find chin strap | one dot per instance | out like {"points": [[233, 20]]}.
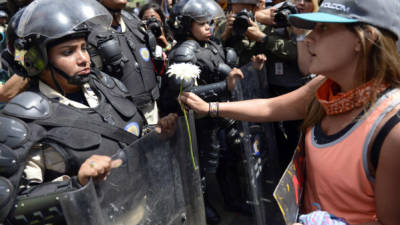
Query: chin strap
{"points": [[77, 80], [55, 81]]}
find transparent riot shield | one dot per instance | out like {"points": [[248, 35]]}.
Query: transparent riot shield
{"points": [[156, 184], [260, 154], [252, 162]]}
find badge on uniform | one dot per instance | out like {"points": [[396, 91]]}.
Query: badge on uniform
{"points": [[133, 128], [20, 55], [145, 54]]}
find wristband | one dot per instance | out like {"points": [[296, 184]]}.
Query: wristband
{"points": [[213, 109]]}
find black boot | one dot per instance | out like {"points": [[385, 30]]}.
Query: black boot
{"points": [[212, 216]]}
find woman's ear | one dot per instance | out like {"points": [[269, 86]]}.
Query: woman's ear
{"points": [[370, 34]]}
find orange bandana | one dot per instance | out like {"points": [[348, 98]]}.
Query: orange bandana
{"points": [[335, 102]]}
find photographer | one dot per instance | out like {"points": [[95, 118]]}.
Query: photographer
{"points": [[152, 15], [239, 30]]}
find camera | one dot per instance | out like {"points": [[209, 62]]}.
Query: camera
{"points": [[283, 12], [154, 26], [241, 22]]}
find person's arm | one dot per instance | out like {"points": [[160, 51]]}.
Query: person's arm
{"points": [[387, 181], [291, 106], [15, 85]]}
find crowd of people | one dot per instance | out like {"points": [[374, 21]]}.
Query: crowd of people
{"points": [[327, 75]]}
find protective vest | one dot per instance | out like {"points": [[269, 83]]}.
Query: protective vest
{"points": [[337, 174], [31, 118], [207, 57], [126, 57]]}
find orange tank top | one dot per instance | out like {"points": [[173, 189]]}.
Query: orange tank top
{"points": [[337, 175]]}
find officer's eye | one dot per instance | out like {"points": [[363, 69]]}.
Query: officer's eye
{"points": [[67, 52], [84, 48]]}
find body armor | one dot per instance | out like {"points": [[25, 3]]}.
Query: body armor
{"points": [[127, 57], [33, 120]]}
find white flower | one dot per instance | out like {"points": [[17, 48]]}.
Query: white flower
{"points": [[184, 71]]}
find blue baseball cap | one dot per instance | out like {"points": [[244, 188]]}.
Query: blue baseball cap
{"points": [[380, 13]]}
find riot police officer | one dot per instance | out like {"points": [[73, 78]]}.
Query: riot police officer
{"points": [[126, 51], [190, 22], [71, 121]]}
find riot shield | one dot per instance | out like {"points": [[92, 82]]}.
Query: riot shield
{"points": [[259, 148], [156, 184]]}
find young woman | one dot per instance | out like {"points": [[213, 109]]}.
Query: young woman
{"points": [[351, 124]]}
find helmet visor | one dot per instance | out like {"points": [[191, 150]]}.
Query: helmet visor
{"points": [[202, 10], [56, 18]]}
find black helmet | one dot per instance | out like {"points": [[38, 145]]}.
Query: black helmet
{"points": [[184, 12], [44, 23]]}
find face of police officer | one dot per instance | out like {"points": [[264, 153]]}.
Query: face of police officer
{"points": [[201, 30], [304, 6], [72, 58], [114, 4]]}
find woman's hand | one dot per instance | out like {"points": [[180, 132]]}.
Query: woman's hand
{"points": [[167, 125], [194, 102], [98, 167], [231, 78]]}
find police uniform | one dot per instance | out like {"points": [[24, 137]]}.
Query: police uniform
{"points": [[53, 135], [124, 54]]}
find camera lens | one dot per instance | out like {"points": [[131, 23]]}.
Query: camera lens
{"points": [[240, 25], [241, 22]]}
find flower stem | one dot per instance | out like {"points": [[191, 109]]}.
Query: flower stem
{"points": [[188, 129]]}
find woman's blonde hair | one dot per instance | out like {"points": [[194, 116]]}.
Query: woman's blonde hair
{"points": [[316, 5], [379, 60]]}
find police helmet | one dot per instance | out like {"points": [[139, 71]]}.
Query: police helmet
{"points": [[44, 23], [184, 12]]}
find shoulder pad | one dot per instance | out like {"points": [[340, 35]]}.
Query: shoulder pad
{"points": [[28, 105], [185, 52], [13, 132], [231, 57], [8, 161]]}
